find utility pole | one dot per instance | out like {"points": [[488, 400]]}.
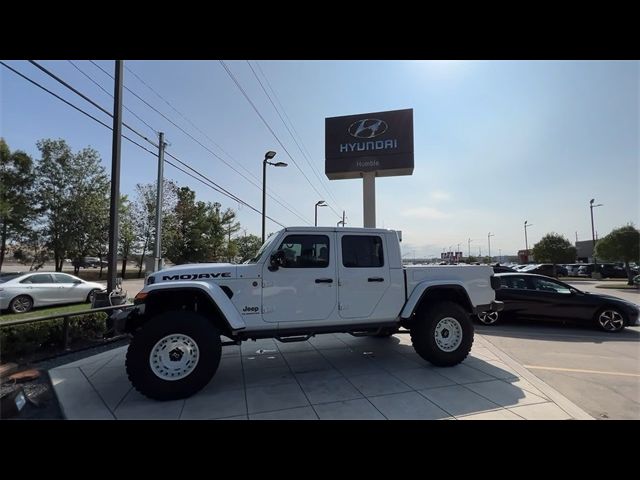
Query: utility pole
{"points": [[343, 219], [489, 235], [114, 217], [157, 262], [470, 247]]}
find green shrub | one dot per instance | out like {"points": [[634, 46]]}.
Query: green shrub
{"points": [[30, 338]]}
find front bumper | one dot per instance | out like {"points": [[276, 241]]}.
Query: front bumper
{"points": [[494, 306]]}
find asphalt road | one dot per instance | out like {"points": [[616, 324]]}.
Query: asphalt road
{"points": [[600, 372]]}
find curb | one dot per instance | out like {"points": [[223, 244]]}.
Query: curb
{"points": [[563, 402]]}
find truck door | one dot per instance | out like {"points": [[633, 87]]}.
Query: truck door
{"points": [[305, 286], [362, 273]]}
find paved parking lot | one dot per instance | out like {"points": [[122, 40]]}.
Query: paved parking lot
{"points": [[329, 377]]}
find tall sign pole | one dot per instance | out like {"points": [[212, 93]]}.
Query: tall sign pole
{"points": [[369, 199], [114, 218], [157, 264]]}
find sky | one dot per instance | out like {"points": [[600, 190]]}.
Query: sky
{"points": [[495, 142]]}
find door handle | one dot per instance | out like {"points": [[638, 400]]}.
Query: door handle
{"points": [[324, 280], [376, 279]]}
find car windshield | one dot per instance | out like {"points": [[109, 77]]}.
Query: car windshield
{"points": [[263, 248], [5, 277]]}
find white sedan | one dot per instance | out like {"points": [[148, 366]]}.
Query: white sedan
{"points": [[20, 292]]}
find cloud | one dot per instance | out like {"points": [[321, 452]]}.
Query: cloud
{"points": [[425, 213], [439, 195]]}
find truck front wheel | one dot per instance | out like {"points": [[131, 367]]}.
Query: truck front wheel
{"points": [[443, 334], [174, 355]]}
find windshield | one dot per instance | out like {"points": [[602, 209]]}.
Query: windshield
{"points": [[5, 277], [265, 246]]}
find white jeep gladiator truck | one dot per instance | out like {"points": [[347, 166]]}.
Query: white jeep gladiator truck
{"points": [[304, 281]]}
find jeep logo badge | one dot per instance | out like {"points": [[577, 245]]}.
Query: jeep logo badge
{"points": [[367, 128]]}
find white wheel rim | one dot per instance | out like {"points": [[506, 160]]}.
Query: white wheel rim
{"points": [[448, 334], [21, 305], [174, 357], [611, 320], [488, 317]]}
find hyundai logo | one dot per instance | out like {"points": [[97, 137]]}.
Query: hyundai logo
{"points": [[368, 128]]}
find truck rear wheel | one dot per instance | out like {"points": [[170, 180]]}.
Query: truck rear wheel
{"points": [[174, 355], [443, 335]]}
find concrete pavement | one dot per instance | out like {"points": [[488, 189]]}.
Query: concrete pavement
{"points": [[333, 376]]}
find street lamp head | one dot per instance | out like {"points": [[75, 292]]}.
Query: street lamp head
{"points": [[280, 164], [269, 155], [592, 200], [525, 222], [321, 203]]}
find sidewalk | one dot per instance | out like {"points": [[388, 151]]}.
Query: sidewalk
{"points": [[333, 376]]}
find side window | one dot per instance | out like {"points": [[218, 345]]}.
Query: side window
{"points": [[517, 283], [362, 251], [38, 278], [543, 285], [305, 251], [62, 278]]}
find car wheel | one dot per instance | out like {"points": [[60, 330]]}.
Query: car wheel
{"points": [[488, 318], [174, 355], [610, 319], [443, 335], [21, 304], [92, 295]]}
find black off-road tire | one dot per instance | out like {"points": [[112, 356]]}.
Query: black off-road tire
{"points": [[423, 334], [138, 362]]}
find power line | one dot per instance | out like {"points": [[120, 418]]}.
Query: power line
{"points": [[155, 131], [271, 195], [290, 209], [246, 96], [212, 185], [307, 158], [74, 90]]}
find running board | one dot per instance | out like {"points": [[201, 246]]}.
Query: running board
{"points": [[296, 338]]}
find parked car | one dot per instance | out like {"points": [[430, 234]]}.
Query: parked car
{"points": [[546, 269], [572, 269], [612, 270], [502, 269], [89, 262], [24, 291], [538, 297]]}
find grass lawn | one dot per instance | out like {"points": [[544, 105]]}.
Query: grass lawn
{"points": [[43, 312]]}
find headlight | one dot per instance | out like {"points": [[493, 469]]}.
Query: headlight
{"points": [[151, 279]]}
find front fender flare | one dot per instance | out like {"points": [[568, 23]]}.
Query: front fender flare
{"points": [[211, 290]]}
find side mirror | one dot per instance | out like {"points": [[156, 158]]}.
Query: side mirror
{"points": [[276, 260], [77, 281]]}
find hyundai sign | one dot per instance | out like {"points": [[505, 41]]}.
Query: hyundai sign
{"points": [[380, 142]]}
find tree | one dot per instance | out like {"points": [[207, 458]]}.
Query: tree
{"points": [[188, 239], [72, 192], [621, 245], [247, 246], [16, 195], [127, 231], [144, 212], [554, 248], [471, 259]]}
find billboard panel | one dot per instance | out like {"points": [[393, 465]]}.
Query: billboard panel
{"points": [[380, 142]]}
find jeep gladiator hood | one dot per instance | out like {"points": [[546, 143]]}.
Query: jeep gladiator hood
{"points": [[197, 271]]}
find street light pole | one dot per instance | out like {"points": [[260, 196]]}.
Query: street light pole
{"points": [[526, 242], [321, 203], [267, 156], [489, 235], [469, 244], [593, 233]]}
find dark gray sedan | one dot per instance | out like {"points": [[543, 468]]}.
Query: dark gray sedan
{"points": [[20, 292], [539, 297]]}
